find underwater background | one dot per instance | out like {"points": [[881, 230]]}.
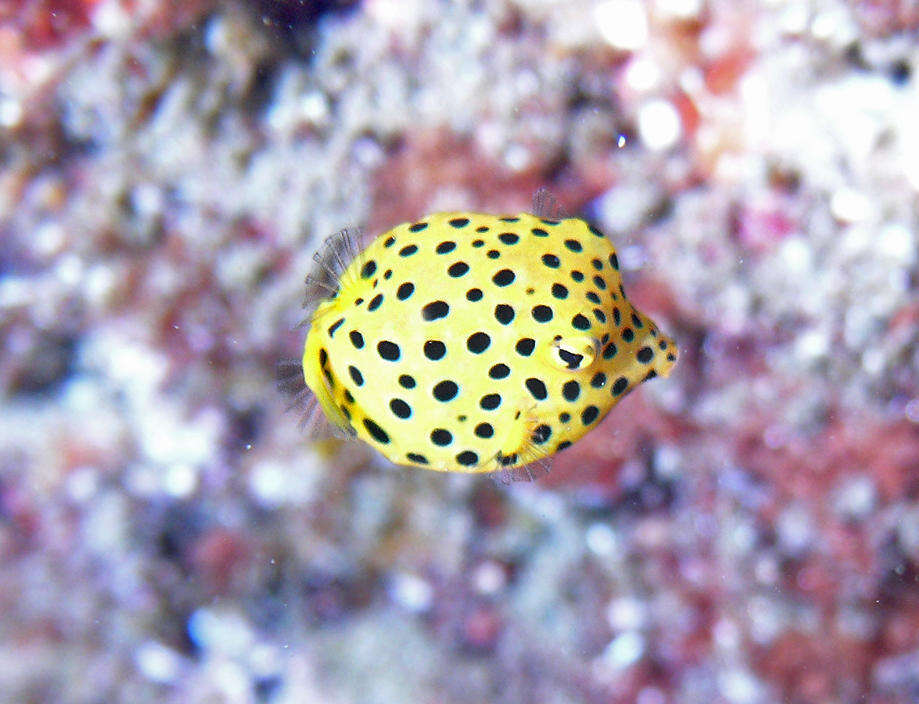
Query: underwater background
{"points": [[744, 532]]}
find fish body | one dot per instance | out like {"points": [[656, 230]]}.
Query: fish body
{"points": [[471, 342]]}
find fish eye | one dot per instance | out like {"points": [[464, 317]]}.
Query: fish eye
{"points": [[573, 353]]}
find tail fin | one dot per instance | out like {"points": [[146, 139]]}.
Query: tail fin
{"points": [[545, 205]]}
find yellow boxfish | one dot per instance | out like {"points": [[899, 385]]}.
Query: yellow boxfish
{"points": [[468, 342]]}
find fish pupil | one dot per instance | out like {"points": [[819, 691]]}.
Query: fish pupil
{"points": [[572, 359]]}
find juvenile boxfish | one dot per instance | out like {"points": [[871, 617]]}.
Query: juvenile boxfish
{"points": [[468, 342]]}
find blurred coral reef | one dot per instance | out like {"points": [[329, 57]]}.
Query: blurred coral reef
{"points": [[744, 532]]}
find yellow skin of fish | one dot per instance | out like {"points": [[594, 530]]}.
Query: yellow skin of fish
{"points": [[563, 265]]}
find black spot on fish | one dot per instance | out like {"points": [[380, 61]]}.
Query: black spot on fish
{"points": [[409, 250], [356, 339], [589, 415], [599, 315], [509, 238], [474, 294], [539, 232], [406, 381], [356, 375], [376, 431], [505, 277], [627, 334], [478, 243], [467, 458], [593, 297], [400, 408], [563, 445], [368, 269], [446, 390], [600, 282], [580, 322], [415, 457], [445, 247], [504, 314], [335, 326], [599, 380], [459, 222], [441, 437], [577, 275], [645, 355], [493, 254], [499, 371], [405, 290], [435, 310], [551, 261], [509, 218], [564, 417], [542, 434], [484, 430], [375, 302], [482, 228], [573, 245], [478, 342], [458, 269], [490, 402], [620, 385], [434, 350], [614, 261], [418, 227], [559, 291], [571, 390], [636, 321], [609, 351], [594, 231], [598, 265], [390, 241], [525, 346], [388, 350], [537, 388], [542, 314]]}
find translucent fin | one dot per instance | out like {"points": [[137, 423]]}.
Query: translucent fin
{"points": [[332, 260], [536, 463], [532, 459], [313, 421], [545, 205]]}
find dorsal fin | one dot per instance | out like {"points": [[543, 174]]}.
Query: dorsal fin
{"points": [[545, 205]]}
